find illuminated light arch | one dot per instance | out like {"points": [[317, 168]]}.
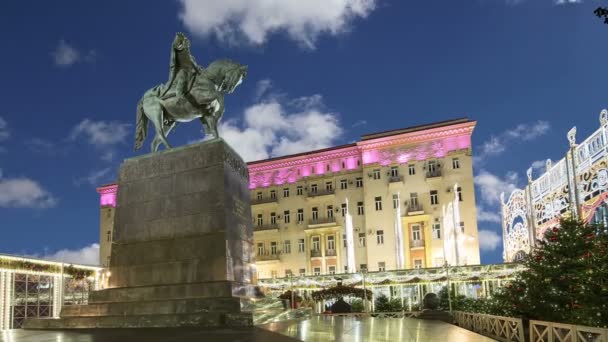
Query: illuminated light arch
{"points": [[516, 230]]}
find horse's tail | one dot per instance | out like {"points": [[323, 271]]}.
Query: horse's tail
{"points": [[141, 131]]}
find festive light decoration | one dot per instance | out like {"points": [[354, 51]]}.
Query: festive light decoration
{"points": [[341, 291]]}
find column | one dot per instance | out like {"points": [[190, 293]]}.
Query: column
{"points": [[323, 246], [57, 295]]}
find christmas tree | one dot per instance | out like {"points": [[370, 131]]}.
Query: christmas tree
{"points": [[565, 281]]}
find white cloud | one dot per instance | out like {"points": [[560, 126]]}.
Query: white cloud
{"points": [[563, 2], [488, 240], [359, 123], [66, 55], [490, 186], [522, 132], [94, 177], [538, 167], [4, 133], [88, 255], [101, 133], [274, 128], [24, 193], [254, 20], [488, 216]]}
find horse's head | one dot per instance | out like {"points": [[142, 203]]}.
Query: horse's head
{"points": [[181, 42], [227, 74]]}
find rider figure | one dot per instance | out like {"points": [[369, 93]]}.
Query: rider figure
{"points": [[183, 68]]}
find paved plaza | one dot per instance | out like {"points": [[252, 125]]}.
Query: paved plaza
{"points": [[318, 328]]}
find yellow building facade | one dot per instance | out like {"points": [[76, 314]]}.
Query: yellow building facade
{"points": [[409, 193]]}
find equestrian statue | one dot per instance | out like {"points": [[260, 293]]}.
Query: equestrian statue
{"points": [[192, 92]]}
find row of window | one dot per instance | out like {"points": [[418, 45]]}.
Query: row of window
{"points": [[331, 269]]}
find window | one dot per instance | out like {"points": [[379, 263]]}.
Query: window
{"points": [[381, 266], [313, 188], [300, 215], [317, 271], [434, 197], [343, 208], [259, 195], [455, 163], [432, 166], [316, 243], [360, 210], [411, 169], [395, 201], [376, 173], [361, 239], [394, 171], [436, 231], [301, 245], [287, 246], [459, 192], [359, 182], [344, 240], [315, 213], [331, 269], [330, 211], [329, 186], [302, 272], [414, 200], [260, 248], [380, 237], [343, 184], [286, 192], [286, 217], [363, 267], [288, 273], [418, 263], [109, 235], [273, 247], [331, 242], [461, 226], [378, 201], [299, 190], [273, 218], [416, 234], [273, 194], [260, 220]]}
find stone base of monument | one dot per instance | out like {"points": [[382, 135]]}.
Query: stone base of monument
{"points": [[182, 245]]}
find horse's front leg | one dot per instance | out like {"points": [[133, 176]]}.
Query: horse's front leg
{"points": [[218, 115]]}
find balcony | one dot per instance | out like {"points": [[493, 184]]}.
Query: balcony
{"points": [[326, 192], [268, 256], [263, 200], [416, 243], [313, 223], [395, 179], [433, 173], [265, 227], [315, 253], [330, 252], [414, 209]]}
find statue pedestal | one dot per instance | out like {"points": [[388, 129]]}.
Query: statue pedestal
{"points": [[181, 254]]}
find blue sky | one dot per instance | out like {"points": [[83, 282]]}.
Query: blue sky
{"points": [[72, 73]]}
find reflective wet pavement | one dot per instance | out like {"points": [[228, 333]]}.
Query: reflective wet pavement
{"points": [[318, 328]]}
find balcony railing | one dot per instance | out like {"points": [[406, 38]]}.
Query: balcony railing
{"points": [[263, 200], [315, 253], [267, 255], [416, 243], [433, 173], [330, 252], [258, 228], [321, 192], [395, 179], [414, 207], [322, 220]]}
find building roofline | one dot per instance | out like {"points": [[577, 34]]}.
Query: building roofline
{"points": [[339, 147], [416, 128]]}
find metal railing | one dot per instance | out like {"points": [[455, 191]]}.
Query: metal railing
{"points": [[265, 227], [416, 243], [413, 207], [330, 252], [506, 329], [268, 255], [433, 173], [315, 253], [263, 200], [321, 220], [395, 179], [321, 192], [541, 331]]}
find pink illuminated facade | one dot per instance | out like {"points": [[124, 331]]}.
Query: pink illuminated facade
{"points": [[406, 175], [107, 204]]}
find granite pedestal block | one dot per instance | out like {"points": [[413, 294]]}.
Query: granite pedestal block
{"points": [[182, 245]]}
